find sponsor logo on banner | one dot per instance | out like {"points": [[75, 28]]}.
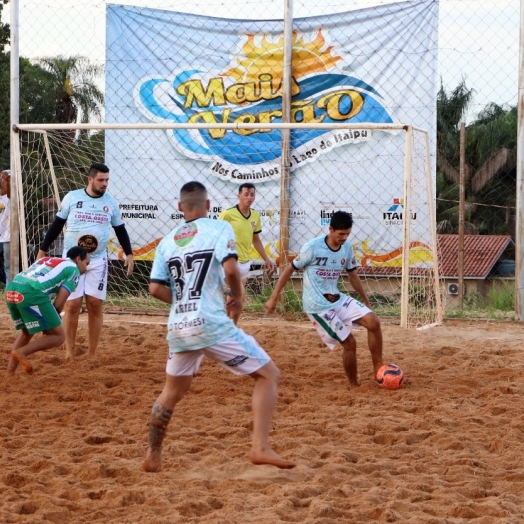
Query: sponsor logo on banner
{"points": [[249, 92], [185, 234], [327, 213], [394, 216]]}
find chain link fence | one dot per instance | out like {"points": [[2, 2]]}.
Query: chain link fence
{"points": [[426, 63]]}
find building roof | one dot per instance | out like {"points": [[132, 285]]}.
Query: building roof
{"points": [[481, 253]]}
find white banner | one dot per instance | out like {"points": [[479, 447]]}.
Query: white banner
{"points": [[370, 65]]}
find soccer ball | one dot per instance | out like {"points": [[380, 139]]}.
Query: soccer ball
{"points": [[390, 376]]}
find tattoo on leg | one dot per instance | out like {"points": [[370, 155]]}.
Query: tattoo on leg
{"points": [[160, 417]]}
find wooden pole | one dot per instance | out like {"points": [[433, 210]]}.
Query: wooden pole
{"points": [[462, 206], [519, 224], [16, 175], [404, 297], [286, 138]]}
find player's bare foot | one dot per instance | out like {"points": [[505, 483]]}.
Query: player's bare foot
{"points": [[28, 368], [80, 351], [153, 462], [91, 355], [11, 366], [268, 456], [354, 383]]}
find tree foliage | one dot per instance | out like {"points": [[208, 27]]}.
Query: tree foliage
{"points": [[490, 158]]}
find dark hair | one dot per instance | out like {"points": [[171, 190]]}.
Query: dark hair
{"points": [[77, 251], [245, 185], [341, 220], [192, 187], [96, 168]]}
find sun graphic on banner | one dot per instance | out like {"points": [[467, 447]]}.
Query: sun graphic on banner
{"points": [[268, 57]]}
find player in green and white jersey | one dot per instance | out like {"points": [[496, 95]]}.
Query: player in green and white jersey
{"points": [[323, 259], [30, 297], [191, 267]]}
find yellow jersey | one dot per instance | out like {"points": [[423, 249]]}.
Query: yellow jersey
{"points": [[244, 228]]}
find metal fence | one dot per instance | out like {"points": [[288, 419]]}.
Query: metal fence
{"points": [[64, 46]]}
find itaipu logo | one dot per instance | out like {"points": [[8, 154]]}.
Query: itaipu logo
{"points": [[395, 214], [250, 91]]}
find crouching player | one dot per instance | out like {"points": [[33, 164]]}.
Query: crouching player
{"points": [[29, 300], [189, 269], [323, 260]]}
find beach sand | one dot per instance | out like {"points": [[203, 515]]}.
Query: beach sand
{"points": [[446, 448]]}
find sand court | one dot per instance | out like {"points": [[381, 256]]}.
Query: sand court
{"points": [[446, 448]]}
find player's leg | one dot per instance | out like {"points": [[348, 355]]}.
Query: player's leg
{"points": [[244, 273], [349, 359], [242, 355], [95, 292], [333, 331], [371, 322], [72, 309], [22, 339], [180, 369], [263, 403], [95, 320], [13, 300], [51, 338]]}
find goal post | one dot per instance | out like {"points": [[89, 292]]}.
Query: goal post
{"points": [[381, 173]]}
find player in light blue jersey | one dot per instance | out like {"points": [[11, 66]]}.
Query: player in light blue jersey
{"points": [[323, 260], [29, 300], [90, 213], [191, 267]]}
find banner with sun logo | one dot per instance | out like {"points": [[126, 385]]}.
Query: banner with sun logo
{"points": [[373, 65]]}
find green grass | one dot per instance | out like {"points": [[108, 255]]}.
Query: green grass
{"points": [[290, 302], [498, 304]]}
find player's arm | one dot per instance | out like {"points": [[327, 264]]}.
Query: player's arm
{"points": [[356, 283], [52, 234], [125, 242], [285, 275], [161, 291], [61, 298], [257, 243], [234, 283]]}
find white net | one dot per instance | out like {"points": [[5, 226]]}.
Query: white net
{"points": [[362, 171]]}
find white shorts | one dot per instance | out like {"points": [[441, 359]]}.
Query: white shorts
{"points": [[244, 268], [239, 353], [94, 281], [334, 325]]}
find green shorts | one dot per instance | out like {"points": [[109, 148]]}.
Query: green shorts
{"points": [[31, 309]]}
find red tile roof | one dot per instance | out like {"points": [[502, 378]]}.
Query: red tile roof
{"points": [[481, 253]]}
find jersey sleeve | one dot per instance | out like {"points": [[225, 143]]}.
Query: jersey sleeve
{"points": [[226, 245], [224, 216], [65, 208], [258, 224], [116, 215], [160, 270], [72, 279], [351, 261], [305, 257]]}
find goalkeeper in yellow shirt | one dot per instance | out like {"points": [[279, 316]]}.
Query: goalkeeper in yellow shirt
{"points": [[247, 227]]}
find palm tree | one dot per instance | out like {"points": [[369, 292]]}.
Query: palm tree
{"points": [[451, 110], [490, 163], [78, 99]]}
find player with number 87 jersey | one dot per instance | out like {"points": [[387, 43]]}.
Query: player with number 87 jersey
{"points": [[190, 259]]}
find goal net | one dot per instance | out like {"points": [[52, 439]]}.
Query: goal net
{"points": [[382, 174]]}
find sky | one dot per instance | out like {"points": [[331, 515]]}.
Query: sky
{"points": [[478, 39]]}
